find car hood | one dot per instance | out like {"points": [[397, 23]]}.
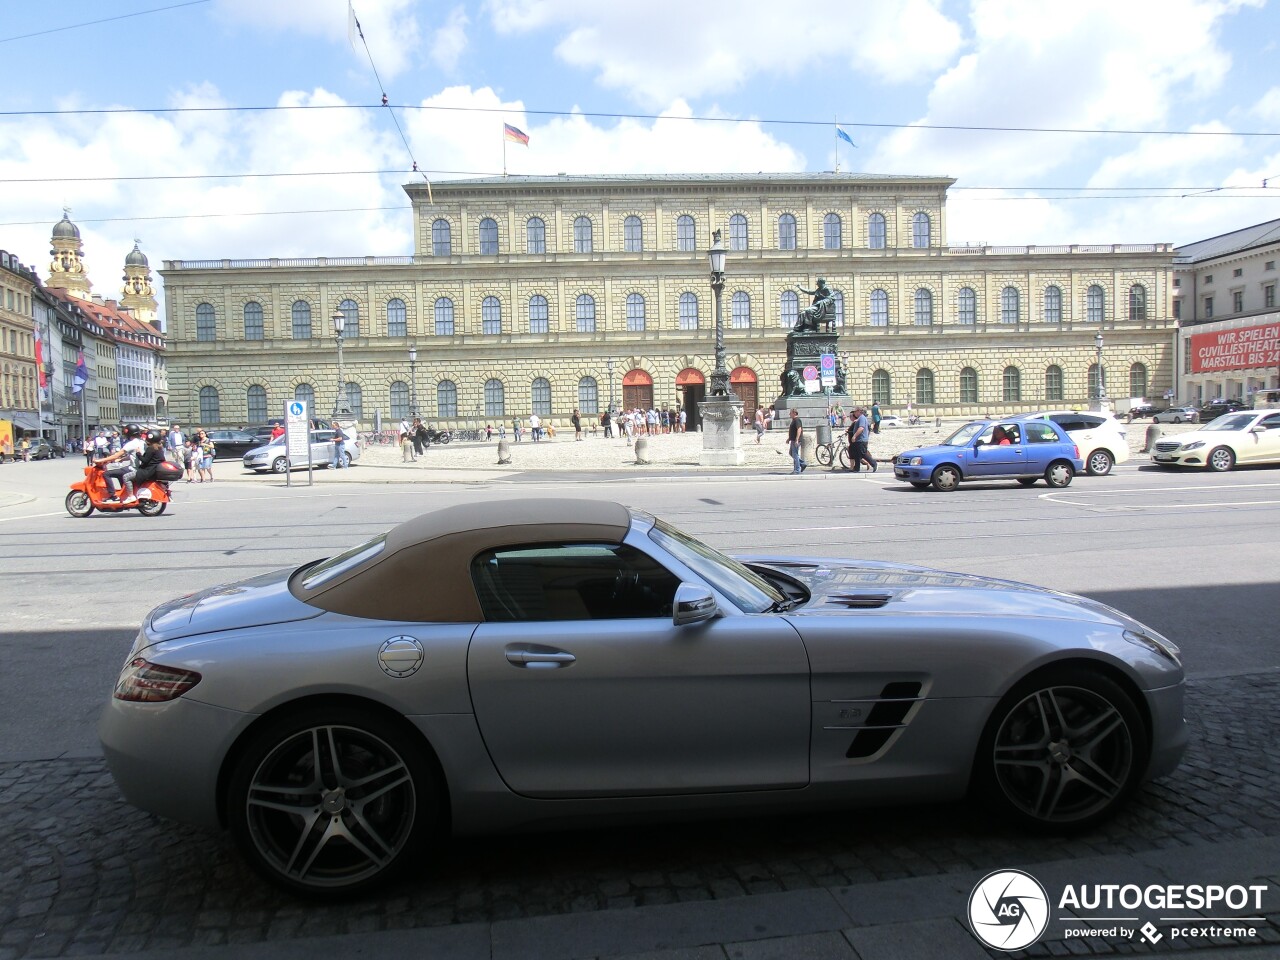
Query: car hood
{"points": [[265, 448], [861, 586], [250, 603]]}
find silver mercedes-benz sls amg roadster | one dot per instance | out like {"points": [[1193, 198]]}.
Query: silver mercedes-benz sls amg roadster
{"points": [[494, 666]]}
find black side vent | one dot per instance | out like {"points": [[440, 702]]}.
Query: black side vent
{"points": [[861, 601], [896, 699]]}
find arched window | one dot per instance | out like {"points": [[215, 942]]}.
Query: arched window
{"points": [[632, 235], [881, 391], [495, 399], [1009, 304], [307, 394], [397, 318], [585, 309], [920, 231], [686, 234], [1052, 304], [924, 307], [831, 231], [968, 307], [838, 297], [441, 238], [737, 232], [488, 237], [635, 312], [582, 235], [206, 326], [588, 396], [740, 310], [688, 311], [540, 391], [879, 308], [444, 317], [301, 320], [537, 313], [1012, 384], [1137, 307], [399, 397], [789, 311], [535, 235], [1138, 380], [924, 386], [1095, 304], [968, 385], [1053, 382], [876, 231], [255, 401], [351, 325], [447, 399], [1095, 387], [787, 232], [355, 399], [210, 408], [253, 328], [490, 316]]}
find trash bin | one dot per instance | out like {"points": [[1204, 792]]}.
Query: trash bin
{"points": [[824, 433]]}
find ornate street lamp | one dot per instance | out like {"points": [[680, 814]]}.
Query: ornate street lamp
{"points": [[721, 411], [719, 376], [340, 402], [1102, 376], [609, 363], [413, 378]]}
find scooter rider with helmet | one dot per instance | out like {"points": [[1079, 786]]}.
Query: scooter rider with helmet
{"points": [[152, 456], [120, 466]]}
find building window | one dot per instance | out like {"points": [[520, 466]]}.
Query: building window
{"points": [[790, 309], [876, 231], [444, 317], [540, 391], [838, 297], [635, 313], [1269, 265], [351, 326], [307, 394], [740, 310], [582, 235], [1009, 305], [1138, 380], [397, 318], [399, 397], [880, 387], [1177, 282], [206, 328], [1177, 309], [355, 399], [632, 235], [686, 234], [787, 232], [488, 237], [1095, 304], [537, 313], [968, 385], [585, 309], [1237, 272], [924, 385], [441, 238], [924, 307], [535, 236], [1053, 383], [495, 400], [920, 230], [737, 232], [588, 396], [831, 232], [968, 304], [1012, 384], [1137, 302], [490, 316], [1237, 301], [447, 398], [253, 329], [210, 409], [1208, 278], [1052, 304], [1208, 308], [1094, 387], [1268, 296], [255, 401], [688, 311], [879, 308], [301, 320]]}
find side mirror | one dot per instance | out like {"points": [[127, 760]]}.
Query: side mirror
{"points": [[693, 604], [1259, 429]]}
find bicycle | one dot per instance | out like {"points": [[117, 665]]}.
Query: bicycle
{"points": [[836, 451]]}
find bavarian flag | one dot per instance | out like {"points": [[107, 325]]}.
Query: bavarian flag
{"points": [[514, 134]]}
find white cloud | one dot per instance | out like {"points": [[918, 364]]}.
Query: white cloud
{"points": [[450, 40], [1267, 108]]}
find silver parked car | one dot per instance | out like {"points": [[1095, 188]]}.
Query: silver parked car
{"points": [[274, 457], [492, 666], [1178, 415]]}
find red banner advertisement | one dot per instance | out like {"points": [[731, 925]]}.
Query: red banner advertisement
{"points": [[1243, 349]]}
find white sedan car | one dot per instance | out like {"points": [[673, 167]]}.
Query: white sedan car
{"points": [[1248, 436]]}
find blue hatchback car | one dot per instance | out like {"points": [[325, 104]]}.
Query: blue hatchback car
{"points": [[1022, 450]]}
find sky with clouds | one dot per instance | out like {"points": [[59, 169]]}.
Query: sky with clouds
{"points": [[1092, 121]]}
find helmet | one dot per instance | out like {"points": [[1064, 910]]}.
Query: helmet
{"points": [[131, 430], [153, 436]]}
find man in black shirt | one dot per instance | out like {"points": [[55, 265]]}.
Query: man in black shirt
{"points": [[794, 432]]}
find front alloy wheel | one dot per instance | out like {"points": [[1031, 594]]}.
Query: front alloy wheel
{"points": [[1220, 460]]}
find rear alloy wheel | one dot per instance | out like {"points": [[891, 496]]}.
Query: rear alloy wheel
{"points": [[1059, 474], [946, 478], [1099, 463], [78, 504], [1220, 459]]}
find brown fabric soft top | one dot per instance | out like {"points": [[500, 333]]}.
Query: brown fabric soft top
{"points": [[424, 571]]}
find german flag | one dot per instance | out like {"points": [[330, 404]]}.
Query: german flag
{"points": [[514, 134]]}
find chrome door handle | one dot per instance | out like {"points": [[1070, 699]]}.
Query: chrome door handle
{"points": [[536, 657]]}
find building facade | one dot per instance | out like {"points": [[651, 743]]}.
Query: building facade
{"points": [[19, 373], [545, 294]]}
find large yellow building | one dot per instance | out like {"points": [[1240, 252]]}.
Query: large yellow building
{"points": [[542, 294]]}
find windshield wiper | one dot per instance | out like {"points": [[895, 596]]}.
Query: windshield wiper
{"points": [[782, 606]]}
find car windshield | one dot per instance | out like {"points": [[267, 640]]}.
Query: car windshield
{"points": [[965, 435], [326, 570], [1229, 422], [748, 590]]}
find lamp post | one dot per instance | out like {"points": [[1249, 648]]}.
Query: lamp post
{"points": [[1102, 376], [340, 401], [413, 378], [719, 376], [721, 411], [609, 364]]}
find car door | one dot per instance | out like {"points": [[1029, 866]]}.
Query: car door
{"points": [[583, 687], [992, 459], [1263, 446], [321, 447]]}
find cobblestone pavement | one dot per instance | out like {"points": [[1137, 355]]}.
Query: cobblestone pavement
{"points": [[83, 873]]}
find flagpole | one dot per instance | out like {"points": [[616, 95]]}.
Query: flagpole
{"points": [[504, 152], [835, 126]]}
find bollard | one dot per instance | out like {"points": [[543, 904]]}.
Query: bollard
{"points": [[1154, 432], [642, 450], [504, 453], [808, 452]]}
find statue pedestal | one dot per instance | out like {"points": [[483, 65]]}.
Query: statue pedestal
{"points": [[806, 350], [721, 433]]}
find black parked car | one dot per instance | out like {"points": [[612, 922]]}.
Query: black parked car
{"points": [[1217, 408], [232, 444]]}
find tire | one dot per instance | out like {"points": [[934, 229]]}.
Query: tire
{"points": [[152, 508], [844, 458], [1059, 474], [1220, 459], [280, 465], [1177, 419], [946, 478], [1028, 481], [78, 504], [1099, 463], [444, 437], [823, 455], [325, 828], [346, 459], [1063, 750]]}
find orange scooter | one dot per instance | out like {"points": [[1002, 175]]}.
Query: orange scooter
{"points": [[91, 493]]}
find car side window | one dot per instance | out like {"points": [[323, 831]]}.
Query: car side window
{"points": [[571, 581], [1271, 423], [1041, 433], [1090, 423]]}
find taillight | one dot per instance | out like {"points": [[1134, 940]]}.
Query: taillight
{"points": [[145, 682], [1076, 448]]}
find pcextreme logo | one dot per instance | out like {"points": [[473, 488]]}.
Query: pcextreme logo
{"points": [[1008, 910]]}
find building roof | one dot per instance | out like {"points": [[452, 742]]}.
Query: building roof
{"points": [[1258, 235], [64, 229], [118, 323], [136, 258], [523, 182]]}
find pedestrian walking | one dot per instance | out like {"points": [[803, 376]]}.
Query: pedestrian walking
{"points": [[759, 424], [859, 442], [795, 432], [875, 416], [576, 420]]}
